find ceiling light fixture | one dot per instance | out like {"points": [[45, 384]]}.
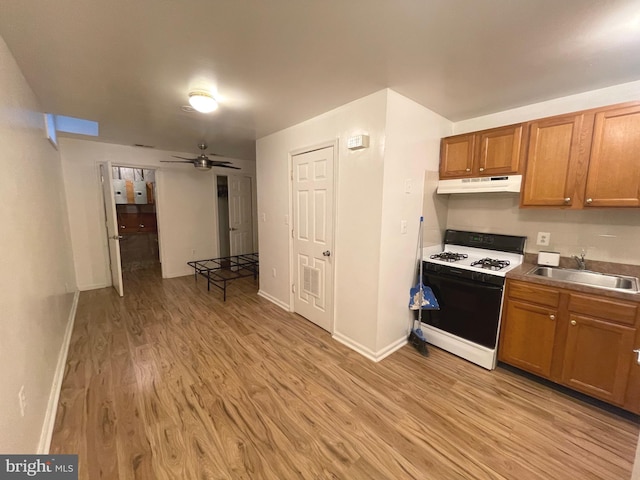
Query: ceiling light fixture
{"points": [[202, 101]]}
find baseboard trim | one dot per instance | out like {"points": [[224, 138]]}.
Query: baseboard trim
{"points": [[272, 299], [94, 286], [180, 273], [394, 347], [54, 396], [366, 352]]}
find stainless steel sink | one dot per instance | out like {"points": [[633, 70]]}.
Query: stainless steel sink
{"points": [[620, 283]]}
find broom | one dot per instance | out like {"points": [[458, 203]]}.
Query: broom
{"points": [[421, 298]]}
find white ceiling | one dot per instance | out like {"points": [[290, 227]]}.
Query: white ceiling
{"points": [[129, 64]]}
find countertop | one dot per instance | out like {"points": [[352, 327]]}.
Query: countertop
{"points": [[520, 273]]}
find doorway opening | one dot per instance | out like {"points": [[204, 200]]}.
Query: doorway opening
{"points": [[223, 215], [235, 215], [134, 196]]}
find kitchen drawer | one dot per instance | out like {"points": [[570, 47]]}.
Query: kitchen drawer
{"points": [[532, 293], [614, 310]]}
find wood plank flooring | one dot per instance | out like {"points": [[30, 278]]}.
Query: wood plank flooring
{"points": [[169, 382]]}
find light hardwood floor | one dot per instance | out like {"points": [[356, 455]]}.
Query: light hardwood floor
{"points": [[171, 383]]}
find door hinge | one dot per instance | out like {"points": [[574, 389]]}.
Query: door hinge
{"points": [[292, 235], [293, 288]]}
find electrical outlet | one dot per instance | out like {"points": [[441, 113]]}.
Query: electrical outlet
{"points": [[403, 227], [544, 238], [23, 400]]}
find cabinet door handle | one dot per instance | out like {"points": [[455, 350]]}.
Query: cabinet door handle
{"points": [[589, 201], [141, 226], [467, 170], [552, 316], [637, 351], [574, 323], [567, 200], [482, 169]]}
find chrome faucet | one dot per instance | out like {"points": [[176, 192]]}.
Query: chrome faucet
{"points": [[580, 260]]}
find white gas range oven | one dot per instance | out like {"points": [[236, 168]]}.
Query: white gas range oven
{"points": [[467, 278]]}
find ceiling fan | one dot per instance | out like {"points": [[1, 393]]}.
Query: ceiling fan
{"points": [[202, 162]]}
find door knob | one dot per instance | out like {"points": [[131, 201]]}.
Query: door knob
{"points": [[116, 237], [233, 229], [326, 253]]}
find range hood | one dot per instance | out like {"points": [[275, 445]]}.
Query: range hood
{"points": [[508, 183]]}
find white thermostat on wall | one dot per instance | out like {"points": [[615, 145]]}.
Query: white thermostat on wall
{"points": [[357, 142]]}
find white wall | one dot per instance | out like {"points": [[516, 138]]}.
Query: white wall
{"points": [[374, 263], [36, 270], [186, 205], [605, 234], [358, 206], [412, 148]]}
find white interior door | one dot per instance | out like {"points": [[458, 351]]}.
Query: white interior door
{"points": [[111, 217], [240, 219], [313, 236]]}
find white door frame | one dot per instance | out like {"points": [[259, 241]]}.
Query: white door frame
{"points": [[292, 268], [157, 195]]}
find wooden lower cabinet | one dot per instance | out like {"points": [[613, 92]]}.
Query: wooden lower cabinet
{"points": [[597, 357], [528, 337], [586, 343]]}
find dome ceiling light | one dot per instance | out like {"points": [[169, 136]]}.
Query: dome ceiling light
{"points": [[202, 101]]}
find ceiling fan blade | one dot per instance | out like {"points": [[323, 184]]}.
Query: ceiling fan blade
{"points": [[225, 166], [185, 158], [177, 161], [221, 162]]}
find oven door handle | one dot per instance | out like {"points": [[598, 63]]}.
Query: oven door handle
{"points": [[466, 281]]}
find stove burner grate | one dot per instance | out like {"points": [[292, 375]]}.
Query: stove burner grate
{"points": [[449, 256], [491, 263]]}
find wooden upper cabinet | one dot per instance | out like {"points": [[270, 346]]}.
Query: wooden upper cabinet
{"points": [[553, 161], [499, 150], [613, 178], [481, 154], [456, 156]]}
